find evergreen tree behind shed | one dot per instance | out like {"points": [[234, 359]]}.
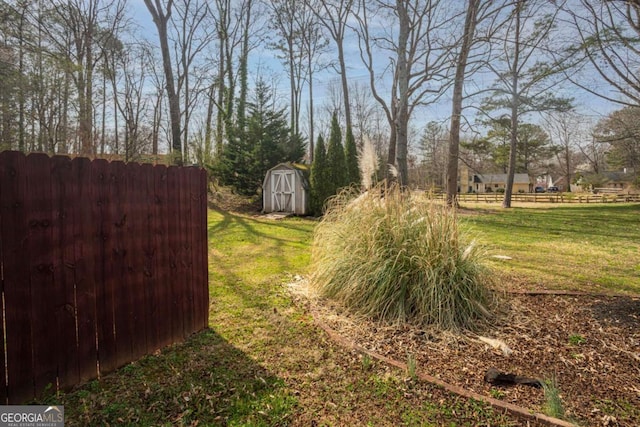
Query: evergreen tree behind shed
{"points": [[266, 142], [335, 158], [319, 179], [351, 158]]}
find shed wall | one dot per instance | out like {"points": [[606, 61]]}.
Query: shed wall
{"points": [[300, 197]]}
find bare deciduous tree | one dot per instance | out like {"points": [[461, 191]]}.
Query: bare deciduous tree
{"points": [[476, 12], [609, 34], [419, 62], [334, 15], [524, 76], [161, 14], [89, 23], [288, 24]]}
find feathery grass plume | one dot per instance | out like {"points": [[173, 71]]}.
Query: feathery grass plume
{"points": [[393, 170], [399, 257], [368, 163]]}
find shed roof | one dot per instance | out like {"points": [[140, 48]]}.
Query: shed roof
{"points": [[291, 166]]}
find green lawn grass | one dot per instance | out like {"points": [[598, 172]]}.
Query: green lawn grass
{"points": [[264, 362], [589, 248]]}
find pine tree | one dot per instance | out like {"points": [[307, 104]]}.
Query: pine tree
{"points": [[319, 180], [351, 158], [337, 176], [266, 142]]}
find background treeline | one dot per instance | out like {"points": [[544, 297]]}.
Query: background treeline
{"points": [[239, 85]]}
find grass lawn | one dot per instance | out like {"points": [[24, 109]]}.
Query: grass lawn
{"points": [[581, 247], [263, 362]]}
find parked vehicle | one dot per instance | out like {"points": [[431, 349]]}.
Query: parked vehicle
{"points": [[539, 190], [553, 189]]}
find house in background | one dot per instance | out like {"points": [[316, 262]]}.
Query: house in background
{"points": [[491, 183], [606, 182]]}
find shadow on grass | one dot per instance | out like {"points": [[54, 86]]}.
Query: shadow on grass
{"points": [[248, 223], [608, 221], [205, 380], [251, 248]]}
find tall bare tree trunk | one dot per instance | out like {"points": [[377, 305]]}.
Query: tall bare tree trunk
{"points": [[402, 119], [345, 85], [161, 18], [333, 15], [221, 88], [515, 100], [21, 85], [104, 111], [456, 108], [243, 70], [208, 128], [311, 115]]}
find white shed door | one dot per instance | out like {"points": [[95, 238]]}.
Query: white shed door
{"points": [[283, 191]]}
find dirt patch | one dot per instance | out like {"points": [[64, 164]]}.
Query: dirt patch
{"points": [[223, 199], [588, 345]]}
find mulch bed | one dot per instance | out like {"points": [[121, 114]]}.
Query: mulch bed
{"points": [[589, 345]]}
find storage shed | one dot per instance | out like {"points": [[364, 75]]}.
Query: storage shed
{"points": [[285, 189]]}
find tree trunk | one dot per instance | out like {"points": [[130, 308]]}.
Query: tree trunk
{"points": [[515, 101], [345, 85], [161, 19], [220, 116], [311, 118], [292, 87], [567, 162], [402, 117], [21, 88], [208, 128], [88, 143], [155, 127], [104, 110], [243, 70], [456, 108]]}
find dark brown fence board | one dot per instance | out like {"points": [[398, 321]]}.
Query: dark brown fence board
{"points": [[204, 246], [161, 255], [117, 255], [199, 239], [64, 218], [136, 222], [185, 266], [103, 276], [102, 263], [16, 278], [150, 291], [86, 239], [44, 290], [173, 224], [3, 348]]}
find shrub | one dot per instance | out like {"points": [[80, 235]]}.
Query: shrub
{"points": [[399, 257]]}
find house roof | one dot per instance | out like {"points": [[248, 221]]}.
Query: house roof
{"points": [[501, 178], [619, 176], [615, 176]]}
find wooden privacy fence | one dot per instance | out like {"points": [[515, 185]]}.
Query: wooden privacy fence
{"points": [[101, 263]]}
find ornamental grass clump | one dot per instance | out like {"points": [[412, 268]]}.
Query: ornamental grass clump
{"points": [[398, 257]]}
